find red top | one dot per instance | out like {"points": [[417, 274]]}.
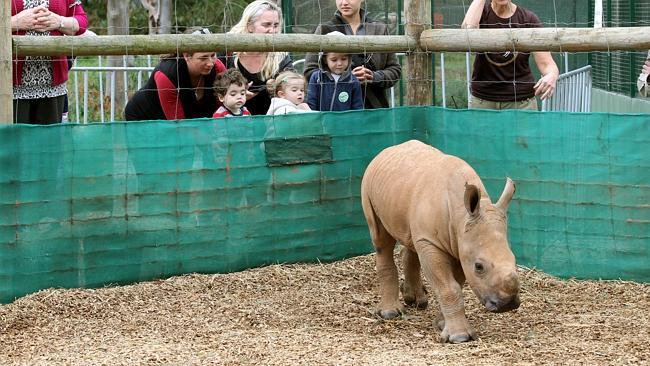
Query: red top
{"points": [[168, 93], [225, 112], [66, 8]]}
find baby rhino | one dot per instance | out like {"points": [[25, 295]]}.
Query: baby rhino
{"points": [[438, 209]]}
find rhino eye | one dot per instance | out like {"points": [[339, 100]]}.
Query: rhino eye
{"points": [[479, 268]]}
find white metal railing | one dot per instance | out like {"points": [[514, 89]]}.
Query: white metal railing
{"points": [[572, 92], [99, 74]]}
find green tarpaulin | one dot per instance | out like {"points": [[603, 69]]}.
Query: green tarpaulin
{"points": [[90, 205]]}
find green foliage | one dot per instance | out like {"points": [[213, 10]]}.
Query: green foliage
{"points": [[218, 16]]}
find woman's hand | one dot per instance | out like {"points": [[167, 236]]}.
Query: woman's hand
{"points": [[250, 94], [47, 21], [27, 19], [362, 73], [545, 87]]}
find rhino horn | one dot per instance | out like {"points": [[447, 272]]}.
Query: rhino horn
{"points": [[472, 199], [506, 196]]}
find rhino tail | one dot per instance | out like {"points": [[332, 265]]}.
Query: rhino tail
{"points": [[378, 233]]}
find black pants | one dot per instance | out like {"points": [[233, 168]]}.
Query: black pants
{"points": [[42, 111]]}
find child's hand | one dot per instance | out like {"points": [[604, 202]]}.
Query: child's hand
{"points": [[303, 106]]}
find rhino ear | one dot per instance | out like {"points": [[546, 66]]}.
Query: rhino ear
{"points": [[506, 196], [472, 199]]}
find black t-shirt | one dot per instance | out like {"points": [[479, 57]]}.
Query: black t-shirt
{"points": [[504, 76]]}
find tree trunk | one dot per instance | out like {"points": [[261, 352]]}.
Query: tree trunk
{"points": [[419, 71], [153, 8], [165, 20], [118, 24]]}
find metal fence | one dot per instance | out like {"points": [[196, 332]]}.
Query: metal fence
{"points": [[572, 92], [103, 78]]}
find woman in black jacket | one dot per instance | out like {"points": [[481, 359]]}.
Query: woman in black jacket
{"points": [[180, 87], [376, 71]]}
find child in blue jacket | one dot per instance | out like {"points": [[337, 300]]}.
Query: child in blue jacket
{"points": [[333, 87]]}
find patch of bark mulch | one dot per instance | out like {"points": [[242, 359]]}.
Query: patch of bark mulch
{"points": [[318, 314]]}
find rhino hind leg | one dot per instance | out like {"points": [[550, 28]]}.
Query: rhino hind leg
{"points": [[413, 291], [389, 306]]}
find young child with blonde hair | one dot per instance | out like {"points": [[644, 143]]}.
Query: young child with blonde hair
{"points": [[288, 91]]}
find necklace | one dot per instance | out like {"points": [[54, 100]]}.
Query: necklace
{"points": [[505, 55], [198, 90]]}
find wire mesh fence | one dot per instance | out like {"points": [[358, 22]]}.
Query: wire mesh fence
{"points": [[611, 71]]}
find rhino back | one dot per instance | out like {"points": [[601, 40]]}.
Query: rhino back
{"points": [[416, 185]]}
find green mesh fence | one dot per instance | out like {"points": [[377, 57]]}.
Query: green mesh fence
{"points": [[90, 205]]}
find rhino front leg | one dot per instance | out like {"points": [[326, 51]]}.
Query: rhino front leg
{"points": [[438, 269], [413, 290]]}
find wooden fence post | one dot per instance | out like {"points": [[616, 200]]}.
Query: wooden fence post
{"points": [[6, 84], [419, 75]]}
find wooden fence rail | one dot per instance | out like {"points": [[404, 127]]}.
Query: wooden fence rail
{"points": [[537, 39], [433, 40]]}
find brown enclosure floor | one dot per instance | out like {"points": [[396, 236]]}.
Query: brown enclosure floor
{"points": [[318, 315]]}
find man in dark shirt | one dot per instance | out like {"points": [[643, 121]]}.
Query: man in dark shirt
{"points": [[503, 80]]}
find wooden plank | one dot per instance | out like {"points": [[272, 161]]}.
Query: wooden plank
{"points": [[459, 40], [168, 43], [537, 39], [6, 84]]}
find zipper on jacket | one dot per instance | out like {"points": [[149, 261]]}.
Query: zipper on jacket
{"points": [[336, 83]]}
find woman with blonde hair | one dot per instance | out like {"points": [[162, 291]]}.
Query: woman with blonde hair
{"points": [[260, 16]]}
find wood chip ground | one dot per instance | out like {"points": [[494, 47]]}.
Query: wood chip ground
{"points": [[319, 314]]}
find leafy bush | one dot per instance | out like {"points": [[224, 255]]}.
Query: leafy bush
{"points": [[219, 16]]}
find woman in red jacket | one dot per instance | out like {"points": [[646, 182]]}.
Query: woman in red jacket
{"points": [[40, 81], [180, 87]]}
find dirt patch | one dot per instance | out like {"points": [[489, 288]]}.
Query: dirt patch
{"points": [[318, 314]]}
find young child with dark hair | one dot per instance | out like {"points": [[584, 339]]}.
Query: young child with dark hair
{"points": [[333, 87], [230, 88]]}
